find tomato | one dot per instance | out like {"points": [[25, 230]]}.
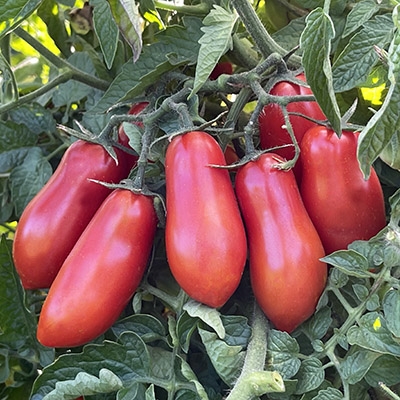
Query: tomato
{"points": [[271, 120], [55, 218], [223, 67], [286, 273], [342, 204], [205, 238], [136, 108], [230, 155], [101, 273]]}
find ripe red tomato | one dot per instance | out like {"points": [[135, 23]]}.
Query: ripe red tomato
{"points": [[55, 218], [342, 205], [205, 238], [223, 67], [136, 108], [286, 275], [271, 120], [101, 273]]}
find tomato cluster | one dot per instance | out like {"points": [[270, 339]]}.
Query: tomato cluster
{"points": [[90, 245]]}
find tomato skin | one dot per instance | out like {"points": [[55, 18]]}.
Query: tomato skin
{"points": [[205, 238], [286, 275], [55, 218], [343, 205], [123, 139], [223, 67], [101, 273], [271, 120]]}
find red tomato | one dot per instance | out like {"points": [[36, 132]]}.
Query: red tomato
{"points": [[123, 138], [223, 67], [230, 155], [205, 238], [286, 275], [101, 273], [55, 218], [342, 204], [271, 120]]}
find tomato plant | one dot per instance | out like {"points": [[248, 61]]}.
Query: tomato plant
{"points": [[101, 273], [273, 132], [55, 218], [206, 244], [287, 275], [343, 206]]}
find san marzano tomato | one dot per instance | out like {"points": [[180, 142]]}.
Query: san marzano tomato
{"points": [[205, 238], [101, 273], [286, 273]]}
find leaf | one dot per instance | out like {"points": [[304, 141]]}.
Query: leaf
{"points": [[315, 42], [106, 30], [128, 360], [349, 262], [310, 375], [28, 178], [85, 384], [317, 326], [237, 330], [355, 62], [385, 369], [210, 316], [391, 310], [329, 394], [126, 14], [282, 353], [218, 26], [185, 327], [176, 45], [188, 373], [373, 334], [386, 121], [356, 365], [289, 36], [227, 360], [359, 15], [12, 13]]}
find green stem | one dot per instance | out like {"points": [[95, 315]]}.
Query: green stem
{"points": [[60, 63], [253, 380], [200, 9], [243, 54], [260, 35]]}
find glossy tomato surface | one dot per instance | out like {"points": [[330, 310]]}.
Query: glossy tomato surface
{"points": [[101, 273], [55, 218], [271, 120], [342, 204], [135, 109], [286, 274], [205, 238]]}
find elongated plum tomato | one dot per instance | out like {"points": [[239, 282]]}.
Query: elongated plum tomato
{"points": [[55, 218], [136, 108], [101, 273], [205, 238], [286, 273], [343, 206], [271, 120]]}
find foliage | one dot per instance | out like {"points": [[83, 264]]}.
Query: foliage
{"points": [[72, 70]]}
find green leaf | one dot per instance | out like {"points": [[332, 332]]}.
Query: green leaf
{"points": [[315, 43], [237, 330], [85, 384], [355, 62], [373, 334], [12, 13], [391, 310], [386, 121], [128, 360], [310, 375], [385, 369], [150, 394], [329, 394], [215, 42], [360, 14], [106, 30], [356, 365], [185, 327], [349, 262], [210, 316], [227, 360], [317, 326], [289, 36], [28, 178], [283, 353], [176, 45], [126, 14], [188, 373]]}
